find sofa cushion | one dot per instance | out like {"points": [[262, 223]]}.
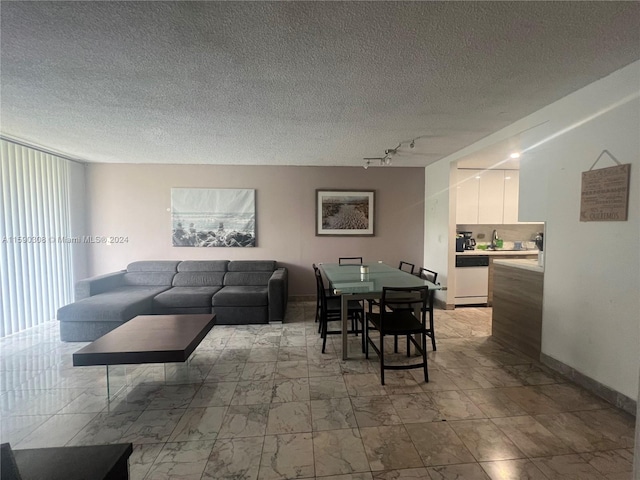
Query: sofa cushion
{"points": [[187, 297], [203, 266], [198, 279], [247, 278], [118, 305], [154, 266], [252, 266], [247, 296], [150, 273], [148, 278]]}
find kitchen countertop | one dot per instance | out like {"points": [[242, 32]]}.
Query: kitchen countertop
{"points": [[498, 252], [523, 263]]}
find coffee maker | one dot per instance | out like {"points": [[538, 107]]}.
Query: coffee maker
{"points": [[465, 241]]}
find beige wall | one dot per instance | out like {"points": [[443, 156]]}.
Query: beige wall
{"points": [[134, 201]]}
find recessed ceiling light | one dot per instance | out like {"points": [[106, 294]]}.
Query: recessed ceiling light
{"points": [[515, 155]]}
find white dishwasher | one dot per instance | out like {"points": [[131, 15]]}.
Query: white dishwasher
{"points": [[472, 279]]}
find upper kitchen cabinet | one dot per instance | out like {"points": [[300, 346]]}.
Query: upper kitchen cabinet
{"points": [[511, 195], [491, 197], [487, 196]]}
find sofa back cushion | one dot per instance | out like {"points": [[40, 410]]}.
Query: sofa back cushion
{"points": [[203, 266], [198, 279], [247, 279], [249, 272], [154, 266], [150, 273], [252, 266]]}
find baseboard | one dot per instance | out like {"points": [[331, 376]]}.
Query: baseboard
{"points": [[608, 394]]}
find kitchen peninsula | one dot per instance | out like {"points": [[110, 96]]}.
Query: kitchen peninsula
{"points": [[517, 304], [478, 281]]}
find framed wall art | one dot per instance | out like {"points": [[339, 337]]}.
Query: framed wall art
{"points": [[213, 217], [345, 212]]}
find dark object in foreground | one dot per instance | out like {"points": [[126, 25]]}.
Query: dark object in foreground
{"points": [[95, 462]]}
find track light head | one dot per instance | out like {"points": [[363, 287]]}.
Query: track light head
{"points": [[412, 144]]}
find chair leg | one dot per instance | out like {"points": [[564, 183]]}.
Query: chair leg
{"points": [[408, 346], [395, 344], [324, 334], [364, 331], [424, 357], [432, 330], [382, 357], [366, 337]]}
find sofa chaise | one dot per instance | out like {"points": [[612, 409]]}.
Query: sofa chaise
{"points": [[238, 292]]}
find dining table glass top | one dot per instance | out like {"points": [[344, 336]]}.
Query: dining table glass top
{"points": [[349, 279]]}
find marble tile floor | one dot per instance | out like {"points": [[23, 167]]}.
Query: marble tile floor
{"points": [[261, 402]]}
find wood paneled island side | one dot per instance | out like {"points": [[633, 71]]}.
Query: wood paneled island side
{"points": [[517, 305]]}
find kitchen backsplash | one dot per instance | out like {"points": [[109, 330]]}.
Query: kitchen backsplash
{"points": [[507, 232]]}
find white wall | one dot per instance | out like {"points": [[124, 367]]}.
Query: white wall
{"points": [[439, 208], [592, 273], [591, 318]]}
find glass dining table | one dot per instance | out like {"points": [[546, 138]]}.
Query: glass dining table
{"points": [[352, 282]]}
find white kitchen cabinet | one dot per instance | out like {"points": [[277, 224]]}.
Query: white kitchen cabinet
{"points": [[487, 197], [511, 193], [491, 197], [467, 198]]}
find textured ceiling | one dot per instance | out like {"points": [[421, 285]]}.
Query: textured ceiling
{"points": [[294, 83]]}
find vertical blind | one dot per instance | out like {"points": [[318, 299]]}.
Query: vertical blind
{"points": [[35, 257]]}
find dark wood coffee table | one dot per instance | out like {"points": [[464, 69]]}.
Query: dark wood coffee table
{"points": [[147, 339], [97, 462]]}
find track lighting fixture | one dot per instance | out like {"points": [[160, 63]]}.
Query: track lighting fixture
{"points": [[388, 154]]}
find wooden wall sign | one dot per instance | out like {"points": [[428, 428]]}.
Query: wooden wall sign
{"points": [[605, 193]]}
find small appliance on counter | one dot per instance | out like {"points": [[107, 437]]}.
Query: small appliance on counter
{"points": [[465, 241], [539, 239]]}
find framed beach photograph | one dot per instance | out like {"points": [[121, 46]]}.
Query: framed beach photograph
{"points": [[213, 217], [345, 212]]}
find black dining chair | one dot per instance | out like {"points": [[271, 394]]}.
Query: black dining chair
{"points": [[406, 267], [350, 260], [430, 276], [399, 321], [328, 292], [331, 310]]}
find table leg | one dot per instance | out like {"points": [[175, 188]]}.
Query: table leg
{"points": [[344, 312], [417, 311], [109, 384]]}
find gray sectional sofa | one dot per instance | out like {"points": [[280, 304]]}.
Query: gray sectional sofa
{"points": [[238, 292]]}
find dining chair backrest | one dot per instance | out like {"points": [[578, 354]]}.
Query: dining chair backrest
{"points": [[428, 275], [320, 290], [403, 298], [406, 267], [350, 260]]}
